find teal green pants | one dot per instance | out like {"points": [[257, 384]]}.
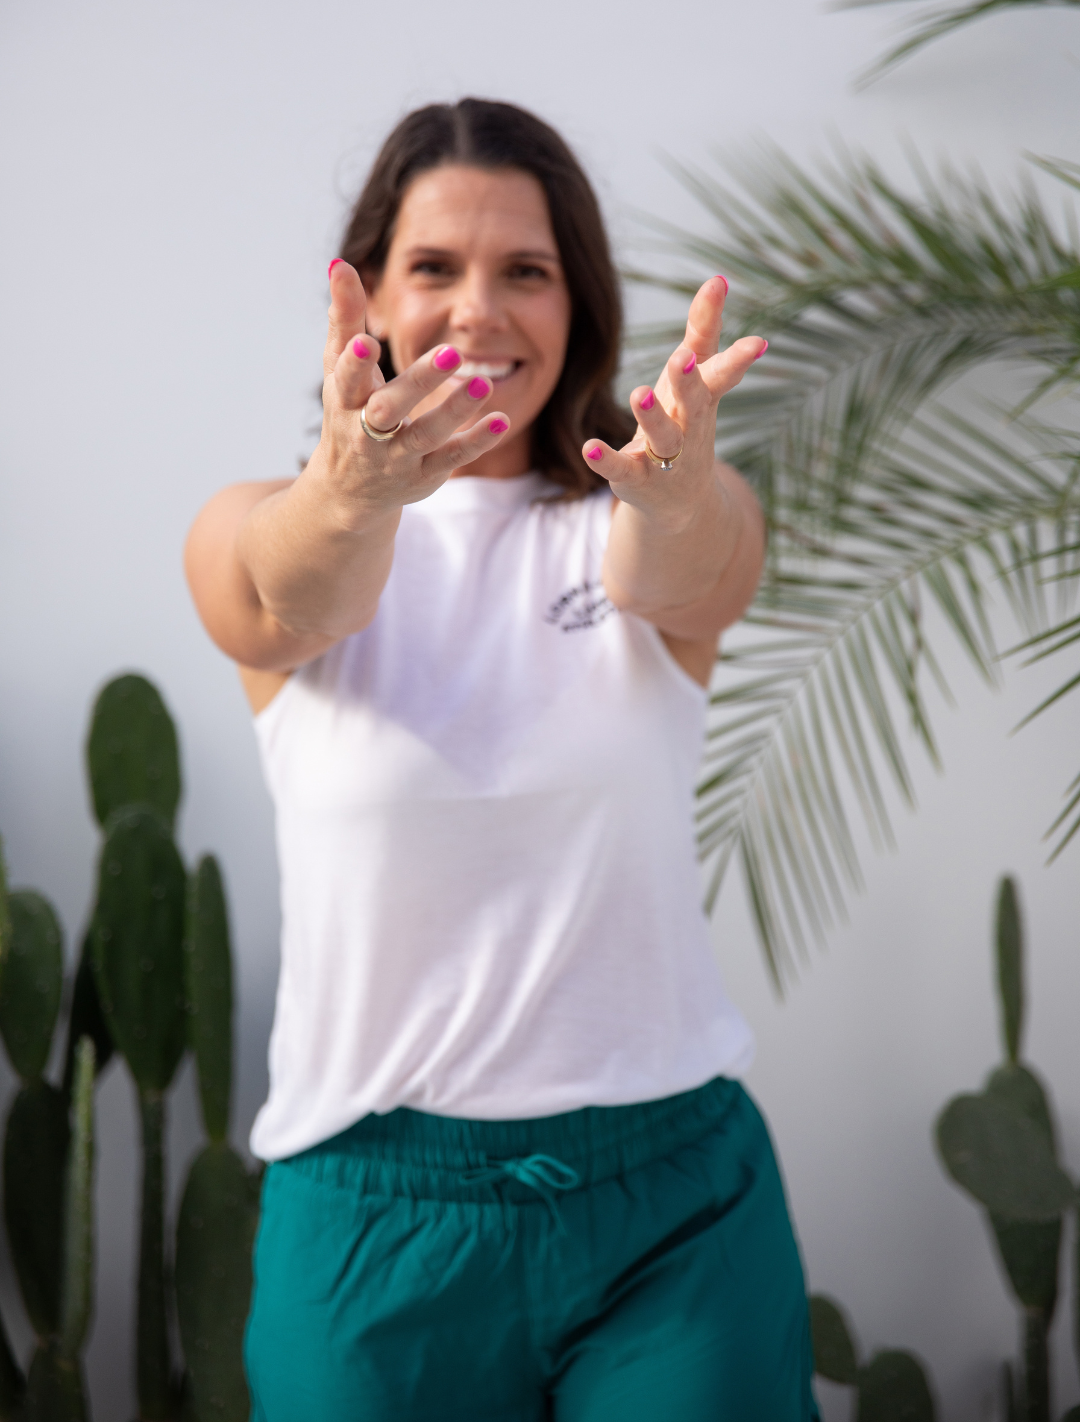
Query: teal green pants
{"points": [[614, 1264]]}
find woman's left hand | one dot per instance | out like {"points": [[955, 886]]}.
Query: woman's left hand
{"points": [[677, 417]]}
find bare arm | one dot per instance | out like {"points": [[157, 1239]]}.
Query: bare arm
{"points": [[687, 545], [280, 571]]}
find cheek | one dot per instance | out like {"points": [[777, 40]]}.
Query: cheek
{"points": [[416, 324]]}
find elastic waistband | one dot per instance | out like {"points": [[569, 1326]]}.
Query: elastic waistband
{"points": [[412, 1153]]}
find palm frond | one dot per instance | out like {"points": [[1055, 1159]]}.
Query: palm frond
{"points": [[882, 502], [934, 24], [807, 718], [1063, 634]]}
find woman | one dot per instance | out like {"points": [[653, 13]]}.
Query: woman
{"points": [[512, 1173]]}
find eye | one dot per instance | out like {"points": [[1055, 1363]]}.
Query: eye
{"points": [[430, 266], [528, 271]]}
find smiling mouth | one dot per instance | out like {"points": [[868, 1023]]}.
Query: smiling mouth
{"points": [[493, 370]]}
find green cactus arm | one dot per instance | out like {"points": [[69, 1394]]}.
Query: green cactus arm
{"points": [[835, 1355], [35, 1152], [138, 945], [215, 1235], [153, 1366], [12, 1382], [1009, 946], [132, 752], [1003, 1159], [55, 1389], [77, 1286], [31, 982], [86, 1019], [208, 977], [893, 1387]]}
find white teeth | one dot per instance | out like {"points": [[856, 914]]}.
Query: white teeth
{"points": [[469, 368]]}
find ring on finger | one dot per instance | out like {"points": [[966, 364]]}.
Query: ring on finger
{"points": [[666, 461], [380, 435]]}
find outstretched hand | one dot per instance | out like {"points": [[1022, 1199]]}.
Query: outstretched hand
{"points": [[377, 474], [677, 416]]}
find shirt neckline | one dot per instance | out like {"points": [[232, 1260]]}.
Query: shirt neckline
{"points": [[469, 491]]}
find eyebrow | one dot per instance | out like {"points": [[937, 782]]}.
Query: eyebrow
{"points": [[449, 252]]}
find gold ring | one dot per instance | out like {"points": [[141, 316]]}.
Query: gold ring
{"points": [[667, 463], [380, 435]]}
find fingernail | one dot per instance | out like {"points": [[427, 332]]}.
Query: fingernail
{"points": [[498, 426], [721, 277], [596, 453], [447, 359], [360, 351], [688, 367], [478, 387], [647, 401], [333, 264], [761, 352]]}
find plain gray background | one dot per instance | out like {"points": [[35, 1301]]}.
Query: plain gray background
{"points": [[175, 177]]}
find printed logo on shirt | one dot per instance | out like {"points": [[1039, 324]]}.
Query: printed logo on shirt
{"points": [[583, 606]]}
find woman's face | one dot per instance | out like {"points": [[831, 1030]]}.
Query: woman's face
{"points": [[473, 263]]}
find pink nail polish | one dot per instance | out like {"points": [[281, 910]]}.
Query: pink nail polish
{"points": [[447, 359], [360, 351], [498, 426], [721, 277], [596, 453], [333, 264], [478, 387], [761, 352], [688, 367], [647, 401]]}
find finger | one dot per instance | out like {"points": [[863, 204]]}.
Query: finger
{"points": [[725, 370], [614, 465], [467, 445], [705, 318], [348, 303], [690, 397], [357, 372], [393, 401], [463, 403], [664, 434]]}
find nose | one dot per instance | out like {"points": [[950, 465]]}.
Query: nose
{"points": [[477, 302]]}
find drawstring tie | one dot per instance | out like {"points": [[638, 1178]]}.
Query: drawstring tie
{"points": [[542, 1173]]}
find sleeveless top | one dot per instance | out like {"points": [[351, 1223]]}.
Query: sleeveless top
{"points": [[490, 896]]}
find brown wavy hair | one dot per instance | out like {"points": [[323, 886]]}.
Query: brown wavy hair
{"points": [[480, 133]]}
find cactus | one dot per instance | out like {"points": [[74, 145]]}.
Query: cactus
{"points": [[892, 1387], [208, 977], [138, 942], [35, 1150], [77, 1298], [86, 1018], [132, 751], [139, 970], [31, 978], [1000, 1146], [54, 1391], [214, 1238], [835, 1356]]}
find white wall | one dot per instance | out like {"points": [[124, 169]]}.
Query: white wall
{"points": [[174, 177]]}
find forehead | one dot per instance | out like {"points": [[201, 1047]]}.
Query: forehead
{"points": [[457, 207]]}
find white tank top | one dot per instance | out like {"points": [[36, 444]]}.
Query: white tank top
{"points": [[490, 896]]}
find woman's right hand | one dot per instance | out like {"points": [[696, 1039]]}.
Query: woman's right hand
{"points": [[367, 477], [282, 570]]}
